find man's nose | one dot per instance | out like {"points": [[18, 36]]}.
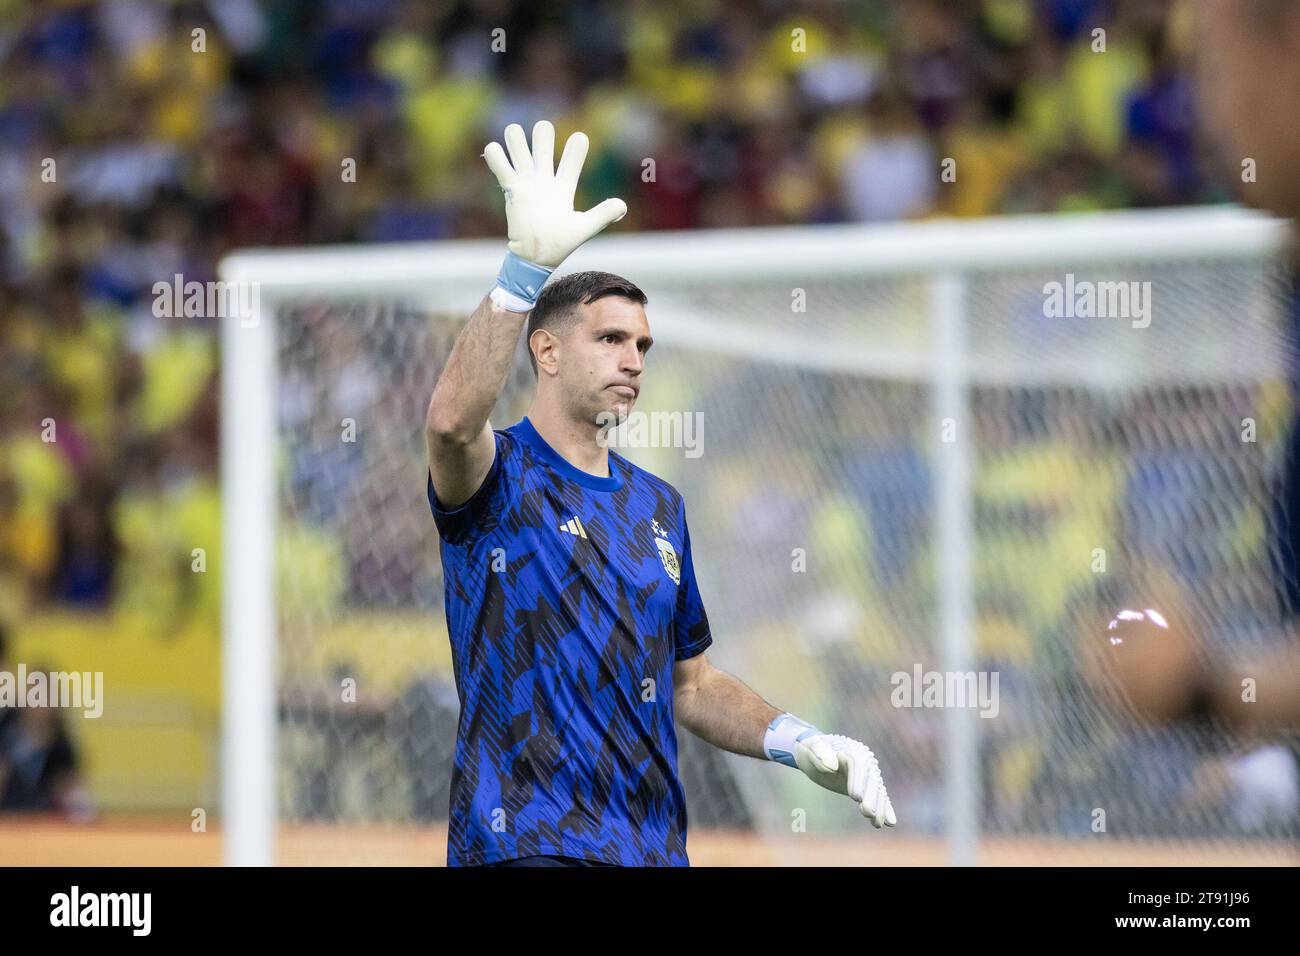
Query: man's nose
{"points": [[632, 360]]}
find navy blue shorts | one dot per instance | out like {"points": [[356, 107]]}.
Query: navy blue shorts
{"points": [[549, 861]]}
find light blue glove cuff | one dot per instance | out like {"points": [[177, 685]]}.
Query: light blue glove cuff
{"points": [[520, 282], [783, 733]]}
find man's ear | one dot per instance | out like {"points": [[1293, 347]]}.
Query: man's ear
{"points": [[545, 348]]}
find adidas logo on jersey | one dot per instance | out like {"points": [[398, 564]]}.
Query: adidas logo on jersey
{"points": [[574, 526]]}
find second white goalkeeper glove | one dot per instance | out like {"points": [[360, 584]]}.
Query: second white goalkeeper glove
{"points": [[542, 223], [835, 762]]}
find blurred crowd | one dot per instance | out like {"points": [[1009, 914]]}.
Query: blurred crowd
{"points": [[141, 140]]}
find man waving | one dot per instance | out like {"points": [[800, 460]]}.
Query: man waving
{"points": [[577, 630]]}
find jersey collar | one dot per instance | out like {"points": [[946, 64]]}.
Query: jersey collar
{"points": [[528, 433]]}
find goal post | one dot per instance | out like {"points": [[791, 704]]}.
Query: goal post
{"points": [[823, 338]]}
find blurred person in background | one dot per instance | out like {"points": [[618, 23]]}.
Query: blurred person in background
{"points": [[39, 764], [88, 546], [7, 713], [1249, 80], [893, 175], [1256, 790]]}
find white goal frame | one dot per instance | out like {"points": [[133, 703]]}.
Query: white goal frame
{"points": [[454, 275]]}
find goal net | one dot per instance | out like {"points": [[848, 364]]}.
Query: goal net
{"points": [[937, 455]]}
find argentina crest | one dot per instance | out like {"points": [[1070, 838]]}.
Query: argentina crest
{"points": [[666, 553]]}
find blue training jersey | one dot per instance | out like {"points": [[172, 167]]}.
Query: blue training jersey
{"points": [[569, 597]]}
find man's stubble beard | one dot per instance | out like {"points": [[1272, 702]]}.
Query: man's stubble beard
{"points": [[590, 410]]}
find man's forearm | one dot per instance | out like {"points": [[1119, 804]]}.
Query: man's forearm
{"points": [[718, 708], [475, 372], [725, 713], [543, 229]]}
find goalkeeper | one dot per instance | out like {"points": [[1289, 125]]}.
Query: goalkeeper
{"points": [[577, 630]]}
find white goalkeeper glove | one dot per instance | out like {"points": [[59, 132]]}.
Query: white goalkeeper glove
{"points": [[542, 223], [837, 763]]}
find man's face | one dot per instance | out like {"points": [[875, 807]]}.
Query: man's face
{"points": [[1248, 89], [599, 360]]}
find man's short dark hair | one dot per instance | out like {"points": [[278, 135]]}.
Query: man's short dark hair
{"points": [[557, 306]]}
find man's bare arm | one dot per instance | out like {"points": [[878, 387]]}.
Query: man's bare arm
{"points": [[543, 228], [719, 709], [456, 429]]}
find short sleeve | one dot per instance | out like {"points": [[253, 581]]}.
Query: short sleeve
{"points": [[485, 508], [691, 633]]}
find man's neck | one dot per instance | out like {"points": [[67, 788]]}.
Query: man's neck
{"points": [[574, 442]]}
